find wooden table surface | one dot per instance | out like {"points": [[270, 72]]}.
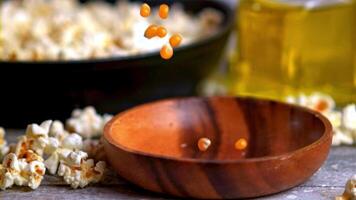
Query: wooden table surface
{"points": [[328, 182]]}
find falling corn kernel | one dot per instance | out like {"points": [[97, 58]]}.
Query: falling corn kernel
{"points": [[203, 144], [151, 31], [163, 11], [166, 52], [241, 144], [161, 32], [175, 40], [145, 10]]}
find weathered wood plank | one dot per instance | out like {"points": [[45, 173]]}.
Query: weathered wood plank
{"points": [[328, 182]]}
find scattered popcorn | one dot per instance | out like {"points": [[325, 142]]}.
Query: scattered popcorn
{"points": [[79, 172], [4, 148], [350, 190], [335, 118], [87, 122], [53, 161], [25, 166], [57, 130], [344, 123], [349, 117], [321, 102]]}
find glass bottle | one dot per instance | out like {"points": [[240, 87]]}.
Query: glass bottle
{"points": [[289, 47]]}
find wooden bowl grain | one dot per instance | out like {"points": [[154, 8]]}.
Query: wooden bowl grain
{"points": [[155, 146]]}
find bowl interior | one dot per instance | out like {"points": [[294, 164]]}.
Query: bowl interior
{"points": [[172, 128]]}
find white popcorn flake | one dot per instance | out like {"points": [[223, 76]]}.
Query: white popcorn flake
{"points": [[52, 144], [80, 173], [349, 117], [87, 122], [26, 171], [73, 141], [341, 137], [52, 163], [321, 102], [334, 118]]}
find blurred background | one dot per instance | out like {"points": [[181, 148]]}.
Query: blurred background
{"points": [[62, 54]]}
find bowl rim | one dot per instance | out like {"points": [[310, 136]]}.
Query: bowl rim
{"points": [[326, 136], [225, 28]]}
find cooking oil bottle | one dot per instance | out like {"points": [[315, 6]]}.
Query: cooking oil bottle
{"points": [[288, 47]]}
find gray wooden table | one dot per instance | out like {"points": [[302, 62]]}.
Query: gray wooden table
{"points": [[328, 182]]}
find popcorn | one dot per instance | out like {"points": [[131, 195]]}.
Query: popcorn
{"points": [[335, 118], [57, 130], [350, 190], [321, 102], [52, 144], [4, 148], [349, 117], [73, 141], [27, 171], [36, 139], [53, 161], [87, 122], [36, 171], [79, 172], [341, 137]]}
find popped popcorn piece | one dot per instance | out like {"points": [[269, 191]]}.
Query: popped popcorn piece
{"points": [[350, 190], [4, 148], [87, 122], [35, 171], [73, 141], [79, 172], [341, 137], [75, 158], [27, 171], [321, 102], [36, 139], [52, 144], [349, 117], [53, 161], [334, 118], [57, 130]]}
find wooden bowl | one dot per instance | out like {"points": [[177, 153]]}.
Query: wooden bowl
{"points": [[155, 146]]}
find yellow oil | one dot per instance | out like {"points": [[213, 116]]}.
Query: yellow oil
{"points": [[287, 47]]}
